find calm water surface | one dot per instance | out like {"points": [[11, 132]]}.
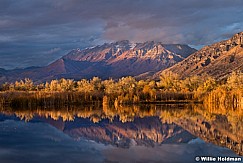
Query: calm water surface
{"points": [[126, 134]]}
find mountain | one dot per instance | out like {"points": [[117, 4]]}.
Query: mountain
{"points": [[115, 60], [217, 60]]}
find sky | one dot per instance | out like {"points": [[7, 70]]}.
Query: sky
{"points": [[36, 33]]}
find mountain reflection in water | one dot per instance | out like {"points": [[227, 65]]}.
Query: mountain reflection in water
{"points": [[125, 133]]}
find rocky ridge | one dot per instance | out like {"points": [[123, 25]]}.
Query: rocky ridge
{"points": [[217, 60]]}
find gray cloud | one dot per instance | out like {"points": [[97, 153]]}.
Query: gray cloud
{"points": [[30, 28], [52, 51]]}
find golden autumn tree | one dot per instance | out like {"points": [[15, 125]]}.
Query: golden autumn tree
{"points": [[169, 81]]}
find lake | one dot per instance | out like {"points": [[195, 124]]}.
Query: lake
{"points": [[144, 133]]}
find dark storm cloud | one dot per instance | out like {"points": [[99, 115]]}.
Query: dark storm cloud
{"points": [[30, 29]]}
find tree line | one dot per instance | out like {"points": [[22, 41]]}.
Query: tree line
{"points": [[126, 90]]}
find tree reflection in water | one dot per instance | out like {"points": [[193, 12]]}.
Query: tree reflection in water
{"points": [[148, 125]]}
